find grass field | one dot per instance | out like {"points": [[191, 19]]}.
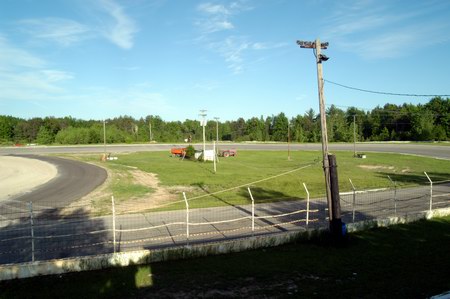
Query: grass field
{"points": [[404, 261], [253, 168]]}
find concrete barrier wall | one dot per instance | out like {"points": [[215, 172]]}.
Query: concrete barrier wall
{"points": [[122, 259]]}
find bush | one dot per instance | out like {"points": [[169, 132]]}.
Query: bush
{"points": [[190, 152]]}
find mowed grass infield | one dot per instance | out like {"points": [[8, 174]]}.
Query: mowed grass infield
{"points": [[403, 261], [269, 174]]}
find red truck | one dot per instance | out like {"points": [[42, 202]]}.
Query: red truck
{"points": [[228, 153], [178, 151]]}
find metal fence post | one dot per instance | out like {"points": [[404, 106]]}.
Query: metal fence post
{"points": [[395, 195], [113, 223], [187, 217], [32, 230], [253, 209], [307, 205], [431, 191], [354, 201]]}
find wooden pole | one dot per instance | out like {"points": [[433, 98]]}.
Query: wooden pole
{"points": [[354, 135], [336, 222], [323, 124]]}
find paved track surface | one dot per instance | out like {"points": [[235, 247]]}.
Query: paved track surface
{"points": [[435, 151], [74, 180]]}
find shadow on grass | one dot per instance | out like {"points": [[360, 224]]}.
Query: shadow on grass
{"points": [[404, 261], [415, 178]]}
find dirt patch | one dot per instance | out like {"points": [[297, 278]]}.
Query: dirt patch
{"points": [[99, 201], [376, 167]]}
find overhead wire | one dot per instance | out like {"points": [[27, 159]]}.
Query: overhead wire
{"points": [[387, 93]]}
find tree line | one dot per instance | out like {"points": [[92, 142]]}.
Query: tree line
{"points": [[427, 122]]}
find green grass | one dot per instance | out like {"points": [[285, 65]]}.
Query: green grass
{"points": [[249, 167], [404, 261]]}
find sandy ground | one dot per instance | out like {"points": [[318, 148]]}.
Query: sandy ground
{"points": [[20, 175]]}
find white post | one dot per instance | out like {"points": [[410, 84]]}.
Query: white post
{"points": [[307, 205], [113, 223], [395, 195], [431, 191], [354, 201], [32, 230], [253, 209], [215, 155], [187, 217]]}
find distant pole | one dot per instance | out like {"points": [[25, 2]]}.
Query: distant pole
{"points": [[317, 46], [354, 135], [203, 115], [289, 142], [150, 128], [217, 133], [104, 136]]}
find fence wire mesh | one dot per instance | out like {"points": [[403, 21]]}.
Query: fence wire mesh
{"points": [[32, 232]]}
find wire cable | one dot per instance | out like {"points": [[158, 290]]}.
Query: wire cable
{"points": [[388, 93]]}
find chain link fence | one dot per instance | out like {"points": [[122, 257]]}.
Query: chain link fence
{"points": [[30, 232]]}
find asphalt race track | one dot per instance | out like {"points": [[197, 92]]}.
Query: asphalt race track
{"points": [[76, 179], [73, 181], [435, 151]]}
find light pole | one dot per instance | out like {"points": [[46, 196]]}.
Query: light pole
{"points": [[217, 133], [317, 46], [104, 136], [203, 123], [150, 127]]}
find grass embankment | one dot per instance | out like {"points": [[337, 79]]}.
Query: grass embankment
{"points": [[254, 167], [404, 261]]}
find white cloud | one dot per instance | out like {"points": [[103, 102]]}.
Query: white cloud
{"points": [[26, 76], [121, 31], [12, 57], [213, 8], [217, 17], [234, 49], [61, 31]]}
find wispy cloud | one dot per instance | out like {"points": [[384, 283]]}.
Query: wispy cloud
{"points": [[61, 31], [235, 49], [24, 75], [122, 29], [217, 17], [373, 30], [13, 57]]}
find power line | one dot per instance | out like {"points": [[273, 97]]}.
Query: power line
{"points": [[388, 93]]}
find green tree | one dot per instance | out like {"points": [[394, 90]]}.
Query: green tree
{"points": [[44, 136]]}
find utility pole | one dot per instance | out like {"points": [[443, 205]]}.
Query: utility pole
{"points": [[150, 128], [104, 136], [354, 135], [217, 132], [289, 142], [317, 46], [203, 123]]}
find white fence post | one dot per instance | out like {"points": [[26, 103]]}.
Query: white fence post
{"points": [[395, 195], [354, 201], [113, 223], [431, 191], [307, 205], [32, 230], [253, 209], [187, 217]]}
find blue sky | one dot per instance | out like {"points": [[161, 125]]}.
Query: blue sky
{"points": [[104, 58]]}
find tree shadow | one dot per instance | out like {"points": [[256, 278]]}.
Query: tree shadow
{"points": [[51, 234]]}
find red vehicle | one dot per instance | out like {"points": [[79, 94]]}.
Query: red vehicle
{"points": [[178, 151], [228, 153]]}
